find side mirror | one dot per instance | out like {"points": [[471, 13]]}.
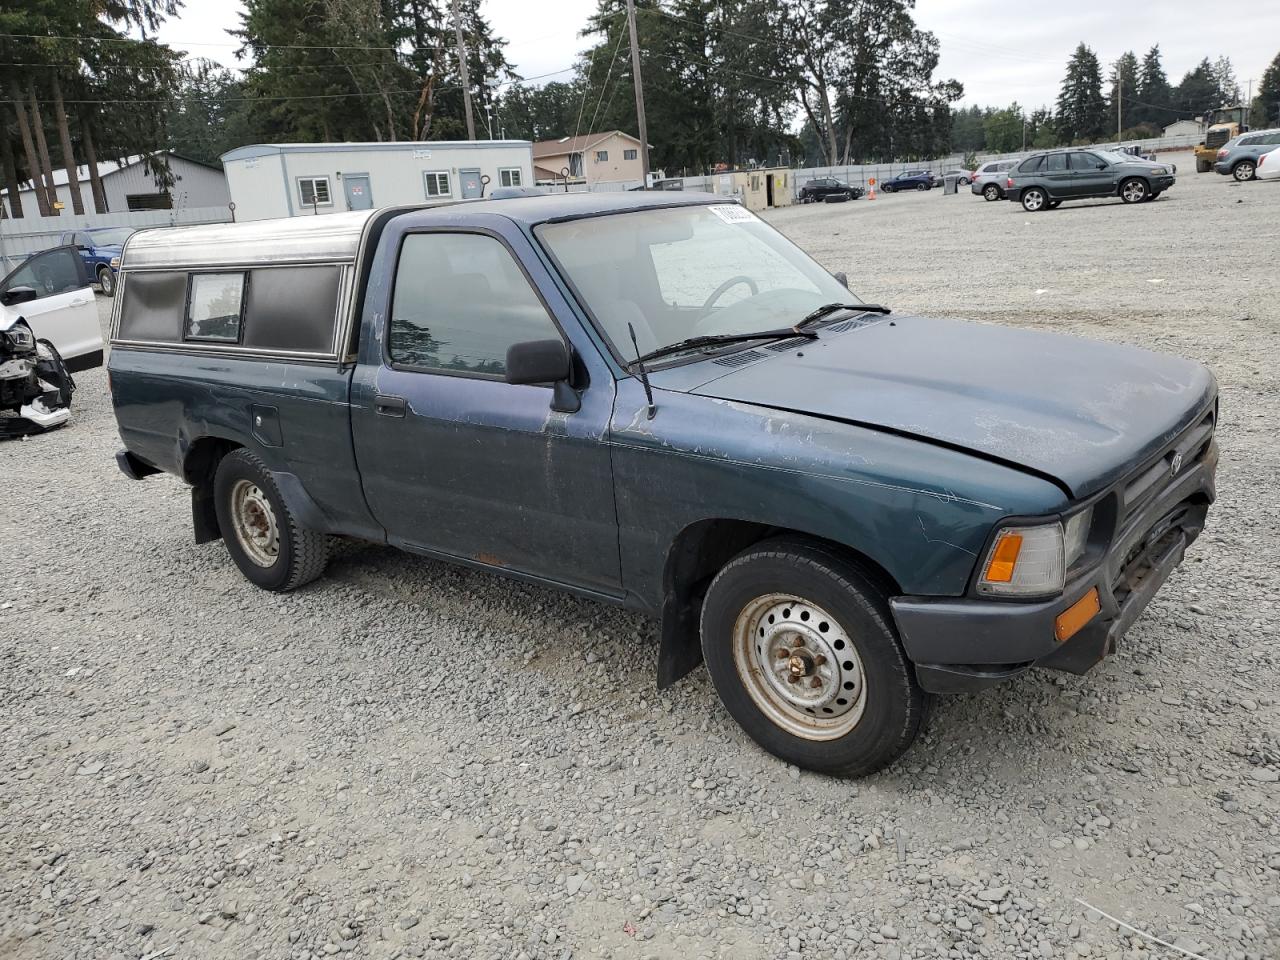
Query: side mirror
{"points": [[842, 278], [16, 295], [544, 361], [1102, 166]]}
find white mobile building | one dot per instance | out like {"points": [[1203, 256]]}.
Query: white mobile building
{"points": [[311, 179]]}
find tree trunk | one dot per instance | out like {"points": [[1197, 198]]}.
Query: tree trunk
{"points": [[829, 120], [68, 155], [10, 174], [42, 147], [91, 159], [817, 125], [29, 148]]}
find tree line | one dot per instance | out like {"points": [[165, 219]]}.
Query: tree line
{"points": [[727, 82], [1134, 101]]}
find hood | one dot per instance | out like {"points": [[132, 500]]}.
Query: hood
{"points": [[1076, 411]]}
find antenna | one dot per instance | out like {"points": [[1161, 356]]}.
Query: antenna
{"points": [[644, 374]]}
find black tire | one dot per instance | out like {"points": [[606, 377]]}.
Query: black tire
{"points": [[1244, 170], [301, 554], [894, 707], [924, 186], [1203, 166], [1034, 200], [1154, 194], [107, 280], [1134, 190], [991, 192]]}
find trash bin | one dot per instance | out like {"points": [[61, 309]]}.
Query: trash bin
{"points": [[950, 183]]}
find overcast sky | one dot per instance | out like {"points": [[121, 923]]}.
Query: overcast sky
{"points": [[1000, 51]]}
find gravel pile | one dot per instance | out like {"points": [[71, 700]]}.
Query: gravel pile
{"points": [[411, 760]]}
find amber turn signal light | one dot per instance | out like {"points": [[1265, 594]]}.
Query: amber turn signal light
{"points": [[1076, 616], [1004, 558]]}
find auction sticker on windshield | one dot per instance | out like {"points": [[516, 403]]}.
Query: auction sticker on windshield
{"points": [[732, 213]]}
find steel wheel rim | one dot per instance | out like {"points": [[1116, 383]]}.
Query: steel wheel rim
{"points": [[1244, 171], [1033, 200], [990, 192], [799, 666], [1134, 191], [255, 524]]}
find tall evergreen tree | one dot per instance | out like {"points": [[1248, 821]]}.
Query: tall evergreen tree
{"points": [[1199, 91], [1124, 88], [1154, 92], [1268, 98], [1082, 111]]}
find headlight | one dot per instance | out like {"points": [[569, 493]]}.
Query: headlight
{"points": [[1159, 171], [115, 263], [21, 338], [1033, 560]]}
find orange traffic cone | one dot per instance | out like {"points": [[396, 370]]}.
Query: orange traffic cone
{"points": [[872, 183]]}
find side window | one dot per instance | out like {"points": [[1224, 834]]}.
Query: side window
{"points": [[215, 305], [314, 191], [1272, 138], [460, 300], [509, 177], [1031, 164], [437, 184], [49, 273], [1055, 163], [1085, 161]]}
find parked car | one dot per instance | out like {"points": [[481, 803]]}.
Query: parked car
{"points": [[963, 177], [911, 180], [1239, 157], [988, 179], [100, 249], [839, 508], [828, 188], [48, 330], [1269, 165], [1045, 180]]}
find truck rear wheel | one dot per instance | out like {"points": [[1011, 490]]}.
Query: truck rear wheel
{"points": [[1203, 166], [801, 648], [261, 534]]}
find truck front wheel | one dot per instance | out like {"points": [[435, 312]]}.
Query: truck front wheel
{"points": [[801, 648], [107, 280], [261, 533]]}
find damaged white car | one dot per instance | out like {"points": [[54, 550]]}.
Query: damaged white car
{"points": [[48, 331]]}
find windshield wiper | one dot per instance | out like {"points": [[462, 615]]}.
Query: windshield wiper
{"points": [[716, 339], [829, 308]]}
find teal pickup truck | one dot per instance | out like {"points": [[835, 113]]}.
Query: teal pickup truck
{"points": [[656, 400]]}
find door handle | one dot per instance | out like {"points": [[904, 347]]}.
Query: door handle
{"points": [[79, 303], [389, 406]]}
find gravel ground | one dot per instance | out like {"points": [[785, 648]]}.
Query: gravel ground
{"points": [[409, 760]]}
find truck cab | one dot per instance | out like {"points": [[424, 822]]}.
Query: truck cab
{"points": [[656, 400]]}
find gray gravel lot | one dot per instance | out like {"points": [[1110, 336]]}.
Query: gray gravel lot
{"points": [[407, 759]]}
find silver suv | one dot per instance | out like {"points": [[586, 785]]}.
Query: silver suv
{"points": [[1239, 157], [988, 180]]}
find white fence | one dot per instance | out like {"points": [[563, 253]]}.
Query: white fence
{"points": [[23, 236]]}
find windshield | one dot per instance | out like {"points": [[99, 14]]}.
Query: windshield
{"points": [[112, 235], [685, 272]]}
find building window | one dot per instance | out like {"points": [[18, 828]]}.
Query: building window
{"points": [[149, 201], [629, 154], [314, 192], [214, 306], [509, 177], [602, 156], [437, 183]]}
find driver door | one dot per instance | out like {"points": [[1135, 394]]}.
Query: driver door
{"points": [[64, 311]]}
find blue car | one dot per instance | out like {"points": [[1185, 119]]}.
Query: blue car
{"points": [[911, 180], [100, 249]]}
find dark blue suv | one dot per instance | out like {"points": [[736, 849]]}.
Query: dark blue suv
{"points": [[911, 180], [100, 249]]}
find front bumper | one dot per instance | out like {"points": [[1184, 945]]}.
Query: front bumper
{"points": [[1163, 183], [962, 644]]}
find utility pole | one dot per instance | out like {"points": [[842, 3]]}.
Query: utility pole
{"points": [[639, 83], [462, 68], [1119, 103]]}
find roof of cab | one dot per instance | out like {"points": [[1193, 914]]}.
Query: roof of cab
{"points": [[336, 236]]}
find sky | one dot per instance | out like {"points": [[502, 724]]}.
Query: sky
{"points": [[1000, 51]]}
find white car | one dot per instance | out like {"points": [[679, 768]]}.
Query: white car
{"points": [[48, 330], [1268, 167]]}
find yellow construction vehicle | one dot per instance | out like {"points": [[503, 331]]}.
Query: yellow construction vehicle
{"points": [[1222, 125]]}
